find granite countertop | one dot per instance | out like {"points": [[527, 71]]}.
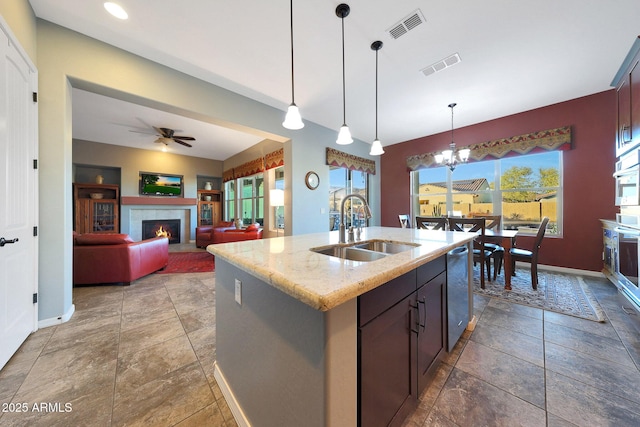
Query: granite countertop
{"points": [[324, 282]]}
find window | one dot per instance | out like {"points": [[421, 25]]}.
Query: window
{"points": [[343, 181], [249, 199], [279, 184], [523, 189], [230, 200]]}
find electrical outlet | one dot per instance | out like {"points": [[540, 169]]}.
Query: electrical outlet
{"points": [[239, 292]]}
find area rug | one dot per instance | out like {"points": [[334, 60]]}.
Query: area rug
{"points": [[189, 262], [561, 293]]}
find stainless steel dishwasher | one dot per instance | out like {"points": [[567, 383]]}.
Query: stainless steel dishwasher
{"points": [[457, 294]]}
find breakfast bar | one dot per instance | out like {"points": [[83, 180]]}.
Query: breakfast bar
{"points": [[290, 316]]}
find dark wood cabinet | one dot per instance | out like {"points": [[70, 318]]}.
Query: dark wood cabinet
{"points": [[209, 207], [96, 208], [402, 330], [431, 299], [627, 84]]}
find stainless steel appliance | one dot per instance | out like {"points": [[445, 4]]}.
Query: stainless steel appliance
{"points": [[457, 294], [627, 273], [627, 176]]}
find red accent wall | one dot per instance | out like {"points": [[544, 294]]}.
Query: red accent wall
{"points": [[588, 184]]}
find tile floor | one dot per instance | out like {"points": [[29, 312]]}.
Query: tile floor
{"points": [[143, 356]]}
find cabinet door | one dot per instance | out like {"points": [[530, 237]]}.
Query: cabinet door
{"points": [[104, 216], [205, 216], [431, 326], [634, 83], [623, 134], [82, 215], [387, 368]]}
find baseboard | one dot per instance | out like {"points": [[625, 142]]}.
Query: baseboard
{"points": [[236, 411], [565, 270], [53, 321]]}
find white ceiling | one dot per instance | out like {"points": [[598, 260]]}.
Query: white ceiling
{"points": [[515, 56]]}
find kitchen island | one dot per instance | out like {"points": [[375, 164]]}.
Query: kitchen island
{"points": [[287, 321]]}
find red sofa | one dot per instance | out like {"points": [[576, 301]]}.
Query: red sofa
{"points": [[224, 232], [204, 233], [116, 258], [252, 232]]}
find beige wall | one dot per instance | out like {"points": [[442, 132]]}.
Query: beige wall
{"points": [[22, 21], [132, 161]]}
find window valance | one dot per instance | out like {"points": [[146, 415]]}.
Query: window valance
{"points": [[270, 160], [530, 143], [228, 175], [349, 161], [274, 159]]}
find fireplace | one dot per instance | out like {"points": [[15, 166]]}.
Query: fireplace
{"points": [[161, 227]]}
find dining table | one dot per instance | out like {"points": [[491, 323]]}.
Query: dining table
{"points": [[506, 239]]}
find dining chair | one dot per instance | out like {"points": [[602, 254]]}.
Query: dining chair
{"points": [[431, 222], [480, 254], [530, 256], [405, 220], [494, 222]]}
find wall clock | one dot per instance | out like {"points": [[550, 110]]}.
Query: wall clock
{"points": [[312, 180]]}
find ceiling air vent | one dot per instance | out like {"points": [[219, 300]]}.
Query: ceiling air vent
{"points": [[407, 24], [441, 65]]}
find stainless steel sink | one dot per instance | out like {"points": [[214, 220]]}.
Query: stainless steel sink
{"points": [[350, 252], [365, 251], [386, 247]]}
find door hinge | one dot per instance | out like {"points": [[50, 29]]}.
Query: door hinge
{"points": [[35, 96], [35, 298], [35, 231], [35, 163]]}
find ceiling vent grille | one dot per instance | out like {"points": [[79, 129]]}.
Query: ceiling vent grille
{"points": [[441, 65], [407, 24]]}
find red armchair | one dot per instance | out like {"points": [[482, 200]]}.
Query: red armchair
{"points": [[116, 258]]}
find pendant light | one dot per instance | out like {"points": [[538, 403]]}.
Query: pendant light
{"points": [[344, 136], [376, 147], [292, 120], [451, 157]]}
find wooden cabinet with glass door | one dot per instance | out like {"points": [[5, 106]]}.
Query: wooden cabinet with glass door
{"points": [[209, 207], [96, 208]]}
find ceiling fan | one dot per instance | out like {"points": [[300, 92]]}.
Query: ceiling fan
{"points": [[167, 136]]}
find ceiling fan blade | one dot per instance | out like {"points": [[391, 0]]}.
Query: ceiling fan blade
{"points": [[185, 138], [182, 142], [167, 133], [144, 133]]}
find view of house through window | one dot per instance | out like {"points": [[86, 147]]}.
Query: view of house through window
{"points": [[342, 182], [523, 189]]}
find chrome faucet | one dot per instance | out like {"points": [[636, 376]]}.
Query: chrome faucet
{"points": [[343, 226]]}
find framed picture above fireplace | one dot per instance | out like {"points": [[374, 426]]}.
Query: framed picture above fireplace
{"points": [[161, 184]]}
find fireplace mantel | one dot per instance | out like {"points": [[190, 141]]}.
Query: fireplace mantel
{"points": [[172, 201]]}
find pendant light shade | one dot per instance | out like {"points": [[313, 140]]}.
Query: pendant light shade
{"points": [[376, 146], [293, 119], [344, 136]]}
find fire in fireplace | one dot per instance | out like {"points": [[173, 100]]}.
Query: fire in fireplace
{"points": [[169, 228]]}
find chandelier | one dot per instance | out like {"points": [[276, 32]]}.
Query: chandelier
{"points": [[451, 157]]}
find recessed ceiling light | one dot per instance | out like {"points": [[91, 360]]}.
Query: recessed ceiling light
{"points": [[116, 10]]}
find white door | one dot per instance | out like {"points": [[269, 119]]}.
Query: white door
{"points": [[18, 199]]}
